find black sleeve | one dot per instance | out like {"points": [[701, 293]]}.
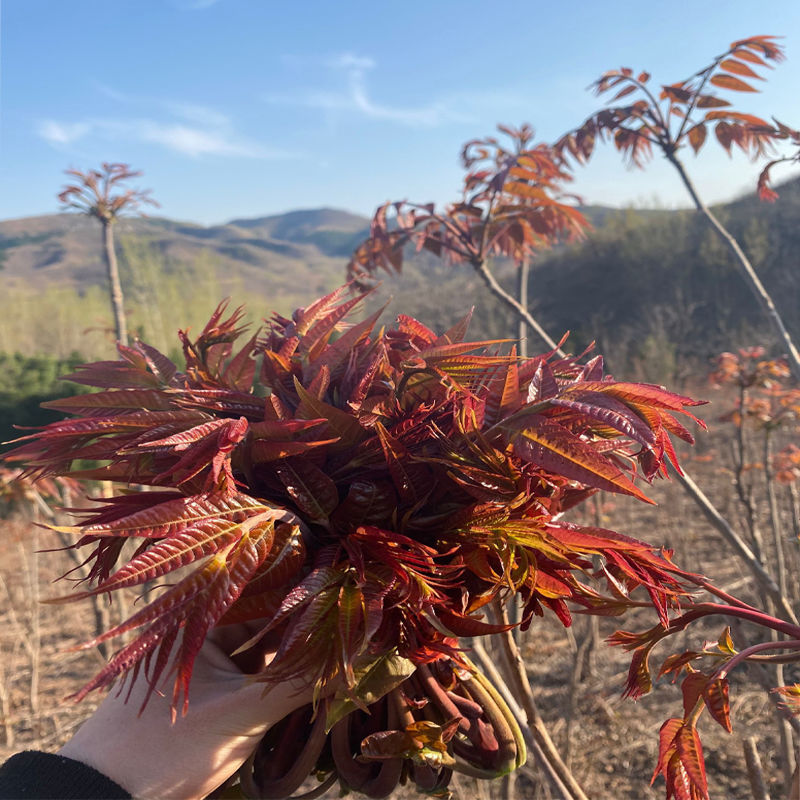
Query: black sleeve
{"points": [[46, 776]]}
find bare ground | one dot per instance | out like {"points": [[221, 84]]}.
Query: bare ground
{"points": [[610, 743]]}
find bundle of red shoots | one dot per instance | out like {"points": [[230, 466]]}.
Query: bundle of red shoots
{"points": [[359, 497]]}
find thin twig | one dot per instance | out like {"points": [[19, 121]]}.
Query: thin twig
{"points": [[522, 688], [755, 773]]}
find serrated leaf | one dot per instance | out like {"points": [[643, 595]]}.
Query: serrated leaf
{"points": [[676, 662], [340, 423], [119, 399], [690, 752], [314, 493], [195, 605], [161, 366], [556, 449], [692, 689], [352, 619], [323, 327], [639, 681], [716, 698], [411, 480], [241, 369], [667, 745], [609, 410], [161, 517]]}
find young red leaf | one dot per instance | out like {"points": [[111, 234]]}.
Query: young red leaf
{"points": [[734, 84], [710, 101], [791, 698], [692, 689], [690, 752], [194, 606], [352, 619], [556, 449], [312, 491], [697, 136], [667, 745], [737, 68], [715, 696]]}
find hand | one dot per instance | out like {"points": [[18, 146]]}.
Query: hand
{"points": [[228, 714]]}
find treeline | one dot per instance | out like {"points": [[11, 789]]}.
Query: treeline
{"points": [[660, 293], [27, 381], [656, 289]]}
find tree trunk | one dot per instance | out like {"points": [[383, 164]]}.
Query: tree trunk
{"points": [[115, 288], [482, 268], [746, 269], [522, 295]]}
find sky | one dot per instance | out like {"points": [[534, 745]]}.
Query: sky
{"points": [[243, 108]]}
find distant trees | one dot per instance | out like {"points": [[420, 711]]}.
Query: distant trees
{"points": [[27, 381], [101, 194]]}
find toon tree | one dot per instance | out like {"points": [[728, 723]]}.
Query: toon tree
{"points": [[102, 194]]}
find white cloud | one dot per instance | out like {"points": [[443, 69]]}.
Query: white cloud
{"points": [[355, 97], [201, 115], [196, 142], [193, 131], [61, 133], [351, 61]]}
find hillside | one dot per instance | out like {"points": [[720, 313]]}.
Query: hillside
{"points": [[62, 249], [653, 287], [660, 293], [174, 273]]}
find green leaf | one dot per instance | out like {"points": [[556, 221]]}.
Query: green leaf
{"points": [[374, 677]]}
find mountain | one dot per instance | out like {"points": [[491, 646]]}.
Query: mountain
{"points": [[660, 292], [64, 249], [655, 288], [174, 273]]}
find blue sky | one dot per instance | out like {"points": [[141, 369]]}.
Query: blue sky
{"points": [[241, 108]]}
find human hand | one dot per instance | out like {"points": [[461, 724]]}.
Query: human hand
{"points": [[151, 757]]}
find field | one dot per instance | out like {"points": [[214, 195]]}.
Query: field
{"points": [[610, 743]]}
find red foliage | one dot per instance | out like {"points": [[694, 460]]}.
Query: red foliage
{"points": [[683, 113], [365, 495], [386, 487], [512, 205], [93, 192]]}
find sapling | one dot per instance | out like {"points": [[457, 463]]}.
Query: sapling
{"points": [[102, 194], [679, 115]]}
